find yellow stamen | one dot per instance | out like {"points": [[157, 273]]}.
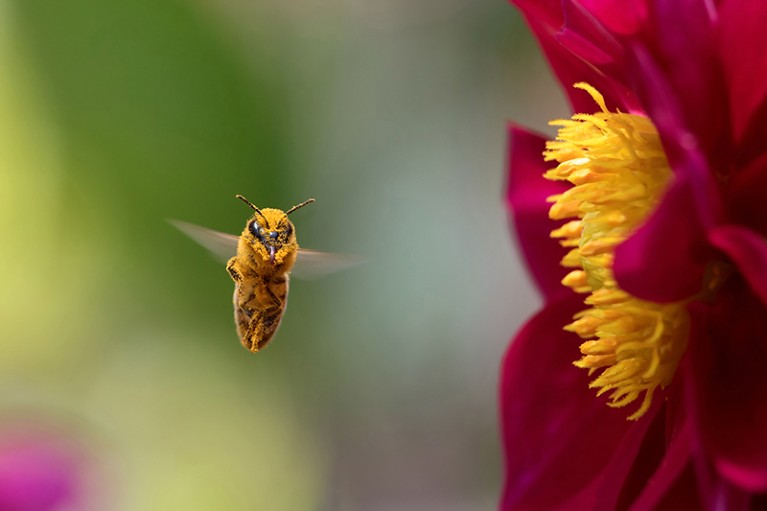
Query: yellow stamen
{"points": [[618, 169]]}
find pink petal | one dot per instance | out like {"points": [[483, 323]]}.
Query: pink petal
{"points": [[635, 460], [717, 493], [619, 16], [747, 194], [665, 259], [673, 480], [683, 47], [526, 195], [571, 69], [684, 150], [728, 382], [748, 250], [681, 495], [580, 50], [586, 37], [750, 148], [558, 437], [546, 12], [743, 50]]}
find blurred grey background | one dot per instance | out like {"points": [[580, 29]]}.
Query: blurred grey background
{"points": [[379, 391]]}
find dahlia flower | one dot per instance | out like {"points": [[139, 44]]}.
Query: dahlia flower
{"points": [[642, 382]]}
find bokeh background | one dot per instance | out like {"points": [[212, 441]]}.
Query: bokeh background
{"points": [[379, 392]]}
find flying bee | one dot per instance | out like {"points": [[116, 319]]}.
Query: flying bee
{"points": [[262, 258]]}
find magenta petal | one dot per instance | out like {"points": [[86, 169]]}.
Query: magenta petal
{"points": [[587, 38], [664, 260], [558, 437], [634, 460], [682, 495], [565, 49], [526, 195], [618, 15], [667, 482], [580, 49], [546, 12], [683, 149], [746, 193], [716, 492], [728, 383], [744, 56], [571, 69], [685, 32], [748, 250]]}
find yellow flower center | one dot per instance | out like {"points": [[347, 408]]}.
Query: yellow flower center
{"points": [[619, 171]]}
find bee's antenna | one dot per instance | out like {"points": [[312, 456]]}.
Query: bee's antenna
{"points": [[307, 201], [253, 207]]}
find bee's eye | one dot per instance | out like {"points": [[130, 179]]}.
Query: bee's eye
{"points": [[255, 229], [288, 231]]}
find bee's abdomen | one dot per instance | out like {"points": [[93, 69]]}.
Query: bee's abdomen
{"points": [[258, 308]]}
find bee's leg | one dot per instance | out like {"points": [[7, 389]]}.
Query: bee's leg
{"points": [[264, 322], [243, 316], [257, 328], [277, 299], [233, 271], [273, 313]]}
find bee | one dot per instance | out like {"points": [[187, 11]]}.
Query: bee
{"points": [[262, 260]]}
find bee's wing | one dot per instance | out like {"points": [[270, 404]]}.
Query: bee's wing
{"points": [[312, 263], [221, 245]]}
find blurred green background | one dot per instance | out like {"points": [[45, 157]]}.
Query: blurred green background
{"points": [[379, 391]]}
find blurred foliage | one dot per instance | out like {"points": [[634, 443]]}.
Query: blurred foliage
{"points": [[378, 392]]}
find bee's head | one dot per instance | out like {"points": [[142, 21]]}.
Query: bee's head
{"points": [[270, 233]]}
